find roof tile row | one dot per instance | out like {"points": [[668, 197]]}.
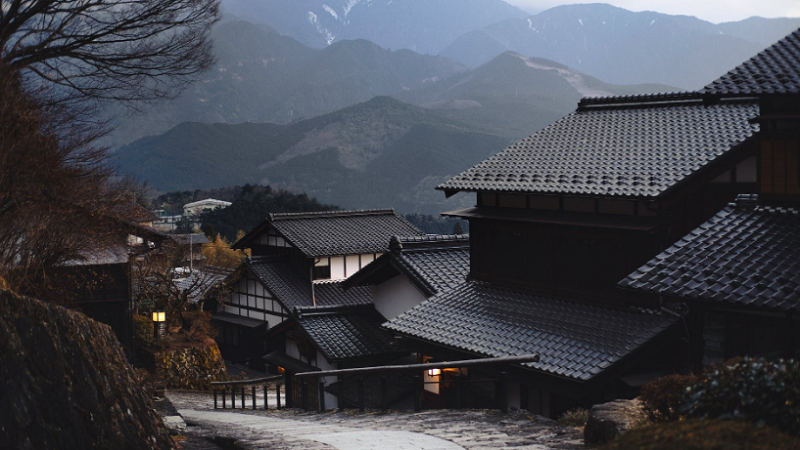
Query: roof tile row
{"points": [[744, 255], [573, 340]]}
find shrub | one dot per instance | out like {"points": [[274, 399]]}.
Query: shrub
{"points": [[143, 327], [699, 434], [576, 417], [756, 390], [197, 326], [662, 398]]}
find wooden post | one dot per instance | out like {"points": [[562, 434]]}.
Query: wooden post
{"points": [[253, 391], [278, 392], [304, 395], [361, 394], [223, 397], [384, 394], [321, 396], [288, 391], [339, 390], [233, 397], [417, 393], [244, 404], [459, 392], [266, 398], [215, 399], [504, 392]]}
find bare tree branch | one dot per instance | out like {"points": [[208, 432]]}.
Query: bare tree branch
{"points": [[125, 50]]}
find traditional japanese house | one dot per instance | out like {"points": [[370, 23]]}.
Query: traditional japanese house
{"points": [[415, 268], [736, 278], [563, 215], [101, 279], [331, 338], [299, 261]]}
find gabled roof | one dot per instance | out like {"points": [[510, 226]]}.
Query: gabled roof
{"points": [[745, 255], [775, 70], [293, 288], [574, 340], [347, 333], [202, 280], [434, 263], [636, 146], [337, 232]]}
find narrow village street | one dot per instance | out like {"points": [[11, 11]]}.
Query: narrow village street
{"points": [[354, 430]]}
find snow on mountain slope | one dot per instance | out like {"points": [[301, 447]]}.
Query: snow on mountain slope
{"points": [[425, 26]]}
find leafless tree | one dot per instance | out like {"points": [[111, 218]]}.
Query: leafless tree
{"points": [[58, 60], [161, 283], [56, 201], [129, 50]]}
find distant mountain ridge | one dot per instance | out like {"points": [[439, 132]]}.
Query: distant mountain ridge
{"points": [[425, 26], [263, 76], [625, 47], [375, 154], [516, 95]]}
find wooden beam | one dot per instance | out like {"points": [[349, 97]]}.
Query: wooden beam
{"points": [[440, 365]]}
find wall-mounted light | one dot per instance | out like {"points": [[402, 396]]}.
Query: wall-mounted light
{"points": [[434, 372], [159, 323]]}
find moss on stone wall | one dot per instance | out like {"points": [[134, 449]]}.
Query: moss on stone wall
{"points": [[65, 383]]}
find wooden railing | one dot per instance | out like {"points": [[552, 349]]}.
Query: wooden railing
{"points": [[220, 389], [417, 383]]}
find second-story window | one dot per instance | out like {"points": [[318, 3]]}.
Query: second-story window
{"points": [[322, 269]]}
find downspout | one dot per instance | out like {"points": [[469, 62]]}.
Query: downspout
{"points": [[313, 294]]}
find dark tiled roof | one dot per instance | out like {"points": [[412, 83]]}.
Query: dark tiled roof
{"points": [[744, 255], [347, 333], [340, 232], [622, 146], [111, 254], [293, 288], [202, 280], [775, 70], [573, 340], [435, 263]]}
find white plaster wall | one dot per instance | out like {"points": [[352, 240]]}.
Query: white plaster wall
{"points": [[331, 402], [352, 265], [337, 267], [396, 296], [292, 350]]}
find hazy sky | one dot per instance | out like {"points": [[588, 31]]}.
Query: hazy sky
{"points": [[712, 10]]}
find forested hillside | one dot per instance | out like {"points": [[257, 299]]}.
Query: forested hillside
{"points": [[382, 153]]}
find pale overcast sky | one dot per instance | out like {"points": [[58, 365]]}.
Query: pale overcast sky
{"points": [[712, 10]]}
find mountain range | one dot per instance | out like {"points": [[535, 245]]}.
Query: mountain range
{"points": [[611, 43], [378, 153], [263, 76], [625, 47], [425, 26]]}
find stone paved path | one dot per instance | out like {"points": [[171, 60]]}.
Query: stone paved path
{"points": [[298, 433], [354, 430]]}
